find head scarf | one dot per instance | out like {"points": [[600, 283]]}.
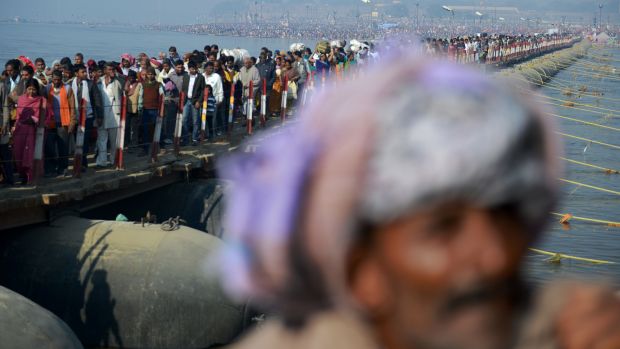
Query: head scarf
{"points": [[155, 63], [26, 61], [411, 135], [129, 58]]}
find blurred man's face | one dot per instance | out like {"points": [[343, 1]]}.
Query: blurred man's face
{"points": [[81, 74], [25, 75], [10, 71], [110, 72], [179, 68], [247, 63], [95, 74], [56, 81], [150, 75], [40, 66], [77, 60], [443, 278]]}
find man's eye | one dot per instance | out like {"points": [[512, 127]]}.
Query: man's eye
{"points": [[444, 225]]}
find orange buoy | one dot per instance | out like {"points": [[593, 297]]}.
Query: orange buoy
{"points": [[566, 218]]}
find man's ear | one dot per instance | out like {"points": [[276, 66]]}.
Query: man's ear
{"points": [[368, 283]]}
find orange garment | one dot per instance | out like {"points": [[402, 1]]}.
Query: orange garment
{"points": [[65, 111]]}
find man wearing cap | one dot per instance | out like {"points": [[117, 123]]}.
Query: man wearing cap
{"points": [[401, 219]]}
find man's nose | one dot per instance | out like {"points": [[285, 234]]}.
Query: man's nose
{"points": [[486, 251]]}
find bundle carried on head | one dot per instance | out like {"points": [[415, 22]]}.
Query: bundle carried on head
{"points": [[338, 43], [357, 46], [238, 53], [323, 47], [297, 47]]}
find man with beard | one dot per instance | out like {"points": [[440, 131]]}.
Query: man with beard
{"points": [[402, 218]]}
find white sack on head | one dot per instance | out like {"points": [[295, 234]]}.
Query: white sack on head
{"points": [[297, 47], [238, 53], [357, 46], [338, 43]]}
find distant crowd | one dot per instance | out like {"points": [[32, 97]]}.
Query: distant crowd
{"points": [[52, 112]]}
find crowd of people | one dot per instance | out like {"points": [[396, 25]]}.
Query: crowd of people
{"points": [[495, 48], [284, 31], [361, 29], [68, 95]]}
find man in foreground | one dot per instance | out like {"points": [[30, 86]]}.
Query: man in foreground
{"points": [[401, 219]]}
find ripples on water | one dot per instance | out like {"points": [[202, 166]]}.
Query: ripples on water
{"points": [[584, 240]]}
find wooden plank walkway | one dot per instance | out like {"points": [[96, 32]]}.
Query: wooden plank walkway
{"points": [[25, 205]]}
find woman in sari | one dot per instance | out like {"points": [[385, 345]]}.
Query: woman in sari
{"points": [[30, 109]]}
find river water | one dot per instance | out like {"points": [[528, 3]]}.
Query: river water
{"points": [[585, 239], [53, 41]]}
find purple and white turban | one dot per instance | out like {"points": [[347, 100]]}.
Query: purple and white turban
{"points": [[412, 134]]}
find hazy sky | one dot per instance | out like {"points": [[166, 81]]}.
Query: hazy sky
{"points": [[187, 11], [140, 11]]}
